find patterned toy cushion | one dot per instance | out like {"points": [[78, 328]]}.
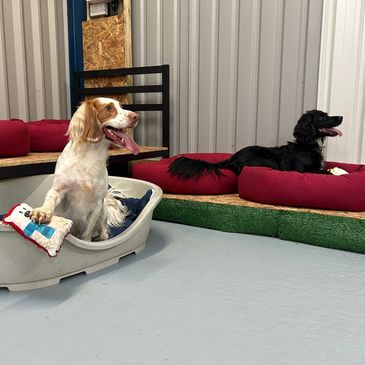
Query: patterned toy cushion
{"points": [[48, 237], [14, 138], [290, 188], [48, 135], [157, 173]]}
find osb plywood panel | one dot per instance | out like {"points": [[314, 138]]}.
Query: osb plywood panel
{"points": [[107, 45], [46, 157], [234, 199], [104, 43]]}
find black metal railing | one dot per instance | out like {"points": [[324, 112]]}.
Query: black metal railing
{"points": [[164, 88]]}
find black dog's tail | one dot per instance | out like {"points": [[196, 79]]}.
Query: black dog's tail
{"points": [[186, 168]]}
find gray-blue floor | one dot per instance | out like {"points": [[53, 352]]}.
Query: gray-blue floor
{"points": [[196, 296]]}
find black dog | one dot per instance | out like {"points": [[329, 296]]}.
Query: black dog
{"points": [[302, 155]]}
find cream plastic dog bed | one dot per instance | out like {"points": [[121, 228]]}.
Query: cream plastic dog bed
{"points": [[24, 266]]}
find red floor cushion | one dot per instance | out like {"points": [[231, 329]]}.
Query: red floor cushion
{"points": [[14, 138], [349, 167], [157, 173], [48, 135], [291, 188]]}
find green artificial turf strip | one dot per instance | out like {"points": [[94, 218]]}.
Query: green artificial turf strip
{"points": [[222, 217], [341, 233], [321, 230]]}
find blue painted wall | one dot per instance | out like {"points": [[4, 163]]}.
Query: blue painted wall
{"points": [[76, 13]]}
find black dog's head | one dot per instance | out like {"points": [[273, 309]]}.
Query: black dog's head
{"points": [[314, 125]]}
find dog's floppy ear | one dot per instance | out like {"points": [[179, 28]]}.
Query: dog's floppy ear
{"points": [[304, 131], [84, 125]]}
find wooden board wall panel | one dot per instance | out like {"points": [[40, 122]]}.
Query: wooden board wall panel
{"points": [[107, 45], [127, 13], [103, 43]]}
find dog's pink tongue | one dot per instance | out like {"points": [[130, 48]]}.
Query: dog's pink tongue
{"points": [[339, 133], [130, 144]]}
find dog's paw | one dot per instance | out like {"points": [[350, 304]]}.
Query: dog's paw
{"points": [[102, 237], [41, 215]]}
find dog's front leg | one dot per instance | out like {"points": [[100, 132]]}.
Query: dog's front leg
{"points": [[43, 214], [93, 221]]}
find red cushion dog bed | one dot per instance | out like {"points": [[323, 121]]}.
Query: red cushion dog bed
{"points": [[14, 138], [349, 167], [48, 135], [157, 173], [291, 188]]}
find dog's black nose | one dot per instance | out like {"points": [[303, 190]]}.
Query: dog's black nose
{"points": [[27, 213], [339, 119]]}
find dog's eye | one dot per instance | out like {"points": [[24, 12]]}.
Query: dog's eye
{"points": [[108, 108]]}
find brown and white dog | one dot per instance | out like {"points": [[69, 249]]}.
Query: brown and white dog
{"points": [[80, 184]]}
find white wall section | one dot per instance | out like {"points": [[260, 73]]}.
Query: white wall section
{"points": [[34, 76], [342, 76], [242, 71]]}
